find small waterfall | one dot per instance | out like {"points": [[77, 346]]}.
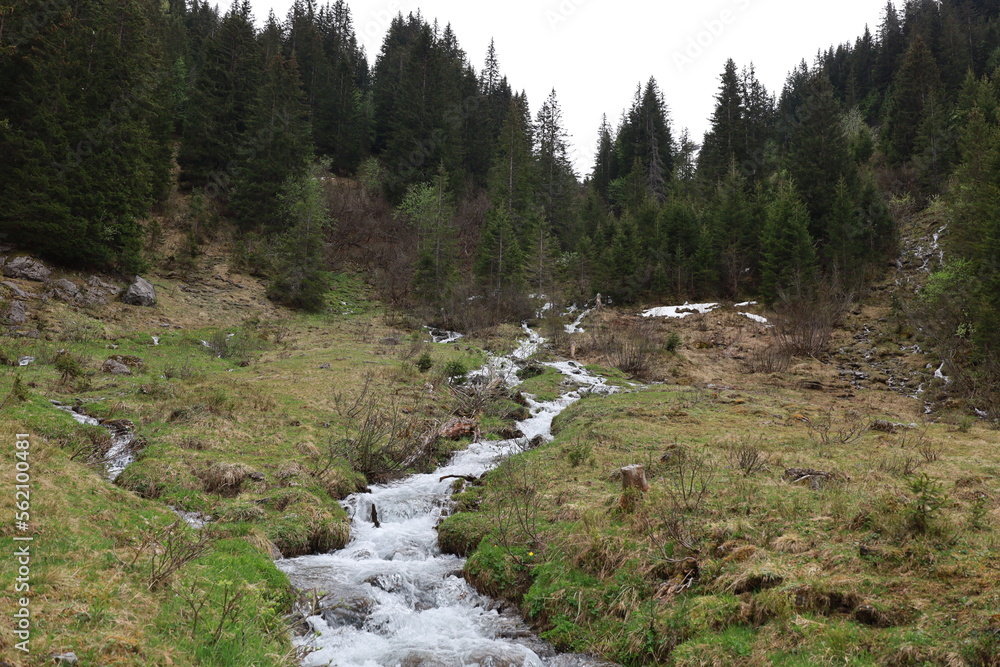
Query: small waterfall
{"points": [[121, 453]]}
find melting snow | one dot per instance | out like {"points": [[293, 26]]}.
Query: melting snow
{"points": [[755, 318], [679, 312]]}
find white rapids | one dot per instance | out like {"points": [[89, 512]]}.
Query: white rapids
{"points": [[392, 598], [120, 455]]}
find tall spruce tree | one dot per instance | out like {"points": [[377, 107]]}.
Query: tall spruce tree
{"points": [[556, 181], [83, 136], [513, 176], [275, 147], [725, 142], [819, 154], [910, 103], [788, 256]]}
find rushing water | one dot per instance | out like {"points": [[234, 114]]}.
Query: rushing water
{"points": [[392, 598], [121, 452]]}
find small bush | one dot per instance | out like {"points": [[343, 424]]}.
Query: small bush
{"points": [[424, 362], [455, 371], [69, 365], [577, 452], [673, 342], [927, 503]]}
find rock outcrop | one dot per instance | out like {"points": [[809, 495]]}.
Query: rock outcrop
{"points": [[25, 268]]}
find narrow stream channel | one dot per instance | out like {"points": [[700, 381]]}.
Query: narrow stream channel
{"points": [[392, 598]]}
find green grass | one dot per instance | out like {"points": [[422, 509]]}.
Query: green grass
{"points": [[757, 571], [268, 404]]}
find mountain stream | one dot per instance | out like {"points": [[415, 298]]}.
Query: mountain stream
{"points": [[390, 597]]}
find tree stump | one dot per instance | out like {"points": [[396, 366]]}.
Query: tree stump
{"points": [[634, 477], [374, 516]]}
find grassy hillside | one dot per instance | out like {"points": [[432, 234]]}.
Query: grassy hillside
{"points": [[242, 412], [834, 509]]}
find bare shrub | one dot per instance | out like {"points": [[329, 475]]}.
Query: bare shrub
{"points": [[747, 456], [475, 396], [377, 439], [688, 483], [898, 465], [769, 359], [630, 346], [515, 500], [803, 323], [827, 431], [162, 552]]}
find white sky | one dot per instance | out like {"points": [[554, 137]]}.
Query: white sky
{"points": [[595, 52]]}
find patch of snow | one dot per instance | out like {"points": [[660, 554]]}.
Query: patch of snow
{"points": [[755, 318], [24, 361], [746, 304], [679, 312], [156, 340]]}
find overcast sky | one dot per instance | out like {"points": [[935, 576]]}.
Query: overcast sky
{"points": [[595, 52]]}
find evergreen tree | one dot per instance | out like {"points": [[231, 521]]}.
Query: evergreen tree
{"points": [[299, 279], [819, 154], [276, 146], [788, 257], [430, 210], [602, 176], [556, 180], [499, 260], [644, 146], [725, 141], [910, 103], [218, 107], [83, 134], [513, 177]]}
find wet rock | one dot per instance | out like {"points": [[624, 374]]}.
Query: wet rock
{"points": [[458, 428], [17, 314], [350, 609], [25, 268], [140, 293], [115, 368], [510, 433]]}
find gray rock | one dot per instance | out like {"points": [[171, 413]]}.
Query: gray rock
{"points": [[17, 291], [91, 297], [17, 313], [25, 268], [99, 284], [115, 368], [140, 293], [68, 658], [67, 287]]}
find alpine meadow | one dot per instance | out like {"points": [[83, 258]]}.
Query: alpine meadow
{"points": [[319, 356]]}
